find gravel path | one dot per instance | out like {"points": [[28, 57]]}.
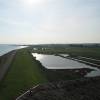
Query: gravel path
{"points": [[5, 62]]}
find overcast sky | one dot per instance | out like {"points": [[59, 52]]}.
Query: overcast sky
{"points": [[49, 21]]}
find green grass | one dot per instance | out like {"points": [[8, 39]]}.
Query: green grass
{"points": [[24, 73], [77, 51], [88, 52]]}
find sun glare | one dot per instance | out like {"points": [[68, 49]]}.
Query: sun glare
{"points": [[32, 2]]}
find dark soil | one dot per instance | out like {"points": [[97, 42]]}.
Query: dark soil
{"points": [[82, 89]]}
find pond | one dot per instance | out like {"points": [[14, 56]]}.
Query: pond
{"points": [[57, 62]]}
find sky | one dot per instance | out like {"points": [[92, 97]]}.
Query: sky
{"points": [[49, 21]]}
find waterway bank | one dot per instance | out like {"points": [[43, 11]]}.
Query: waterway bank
{"points": [[24, 72], [6, 48], [5, 62]]}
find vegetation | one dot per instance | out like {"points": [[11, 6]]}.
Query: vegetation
{"points": [[74, 51], [25, 71], [22, 75]]}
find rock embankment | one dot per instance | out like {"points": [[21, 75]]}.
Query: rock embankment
{"points": [[82, 89]]}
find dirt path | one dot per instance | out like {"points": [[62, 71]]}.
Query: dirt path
{"points": [[5, 62]]}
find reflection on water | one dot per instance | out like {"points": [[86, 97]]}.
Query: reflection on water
{"points": [[56, 62], [64, 55], [38, 56], [93, 73], [7, 48]]}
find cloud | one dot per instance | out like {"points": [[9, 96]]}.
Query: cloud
{"points": [[62, 25], [32, 5], [50, 20], [69, 19]]}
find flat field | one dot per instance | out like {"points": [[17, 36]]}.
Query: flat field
{"points": [[75, 51]]}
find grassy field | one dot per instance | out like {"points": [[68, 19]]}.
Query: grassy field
{"points": [[74, 51], [24, 73]]}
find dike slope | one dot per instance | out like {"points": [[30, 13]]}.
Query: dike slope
{"points": [[5, 62], [82, 89]]}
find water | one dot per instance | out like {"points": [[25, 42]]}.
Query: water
{"points": [[93, 73], [64, 55], [7, 48], [56, 62]]}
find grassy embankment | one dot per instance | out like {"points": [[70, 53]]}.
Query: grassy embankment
{"points": [[24, 73]]}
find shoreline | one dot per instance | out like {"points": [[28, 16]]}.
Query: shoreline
{"points": [[10, 48]]}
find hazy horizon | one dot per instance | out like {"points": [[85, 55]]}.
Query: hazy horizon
{"points": [[49, 21]]}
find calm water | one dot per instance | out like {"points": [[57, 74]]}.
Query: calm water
{"points": [[7, 48], [56, 62], [64, 55]]}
